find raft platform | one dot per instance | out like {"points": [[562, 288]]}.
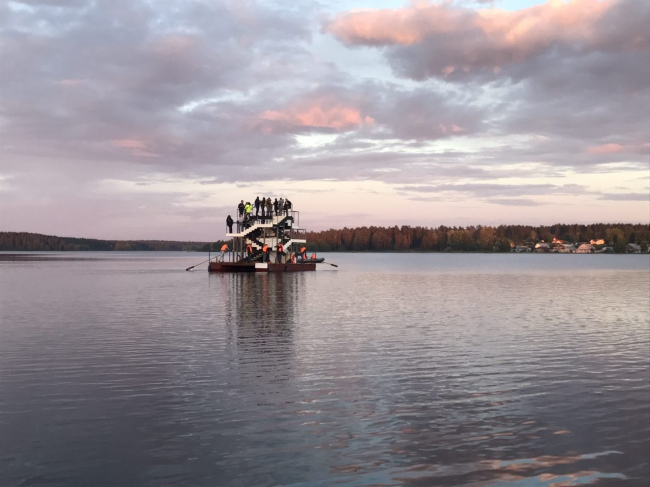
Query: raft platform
{"points": [[261, 267]]}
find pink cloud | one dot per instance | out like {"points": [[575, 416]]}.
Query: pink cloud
{"points": [[129, 143], [605, 149], [136, 146], [487, 38], [324, 112], [618, 148]]}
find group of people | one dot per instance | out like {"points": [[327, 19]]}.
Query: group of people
{"points": [[267, 208], [266, 251]]}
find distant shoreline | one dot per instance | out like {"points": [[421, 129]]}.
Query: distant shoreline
{"points": [[468, 252], [36, 242], [560, 238]]}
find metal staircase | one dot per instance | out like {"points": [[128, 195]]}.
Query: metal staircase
{"points": [[256, 232]]}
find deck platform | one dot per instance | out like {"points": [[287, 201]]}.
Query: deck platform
{"points": [[260, 267]]}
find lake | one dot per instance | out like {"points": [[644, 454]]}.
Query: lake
{"points": [[394, 369]]}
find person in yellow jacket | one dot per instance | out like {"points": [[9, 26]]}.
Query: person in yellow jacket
{"points": [[248, 210]]}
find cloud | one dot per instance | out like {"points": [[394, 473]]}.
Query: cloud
{"points": [[446, 39], [625, 196], [486, 190], [619, 148], [514, 202], [605, 149], [328, 112]]}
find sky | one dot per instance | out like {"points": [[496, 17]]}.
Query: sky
{"points": [[143, 119]]}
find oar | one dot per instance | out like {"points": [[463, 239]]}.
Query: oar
{"points": [[190, 268], [333, 265]]}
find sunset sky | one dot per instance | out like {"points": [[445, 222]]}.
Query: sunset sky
{"points": [[142, 119]]}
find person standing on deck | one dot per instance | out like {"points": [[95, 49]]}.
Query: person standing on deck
{"points": [[313, 256], [278, 258], [287, 206], [248, 209], [224, 249], [265, 253], [263, 207], [276, 205], [269, 209], [281, 205], [229, 223], [249, 251], [303, 252], [241, 207], [257, 206]]}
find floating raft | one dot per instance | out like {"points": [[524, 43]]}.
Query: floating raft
{"points": [[279, 233], [262, 267]]}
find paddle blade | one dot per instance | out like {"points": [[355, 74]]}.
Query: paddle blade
{"points": [[190, 268]]}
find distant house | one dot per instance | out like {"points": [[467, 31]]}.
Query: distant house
{"points": [[599, 241], [542, 247], [565, 248], [558, 241], [585, 248], [632, 248]]}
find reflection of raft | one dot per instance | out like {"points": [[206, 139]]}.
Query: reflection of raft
{"points": [[262, 266]]}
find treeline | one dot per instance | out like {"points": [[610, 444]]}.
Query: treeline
{"points": [[472, 238], [22, 241], [405, 238]]}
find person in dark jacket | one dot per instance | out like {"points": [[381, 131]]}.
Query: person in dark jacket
{"points": [[269, 208], [229, 223], [275, 206], [287, 206], [257, 206], [240, 208]]}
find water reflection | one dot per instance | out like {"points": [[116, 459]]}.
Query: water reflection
{"points": [[265, 299], [260, 312]]}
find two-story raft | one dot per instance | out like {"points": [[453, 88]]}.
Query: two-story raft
{"points": [[278, 234]]}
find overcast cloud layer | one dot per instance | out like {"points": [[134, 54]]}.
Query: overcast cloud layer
{"points": [[140, 119]]}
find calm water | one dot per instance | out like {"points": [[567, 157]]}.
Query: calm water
{"points": [[481, 370]]}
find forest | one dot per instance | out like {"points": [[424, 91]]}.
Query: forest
{"points": [[22, 241], [378, 239], [473, 238]]}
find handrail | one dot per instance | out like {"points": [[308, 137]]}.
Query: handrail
{"points": [[250, 229]]}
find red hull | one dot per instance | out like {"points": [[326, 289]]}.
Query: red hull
{"points": [[252, 267]]}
